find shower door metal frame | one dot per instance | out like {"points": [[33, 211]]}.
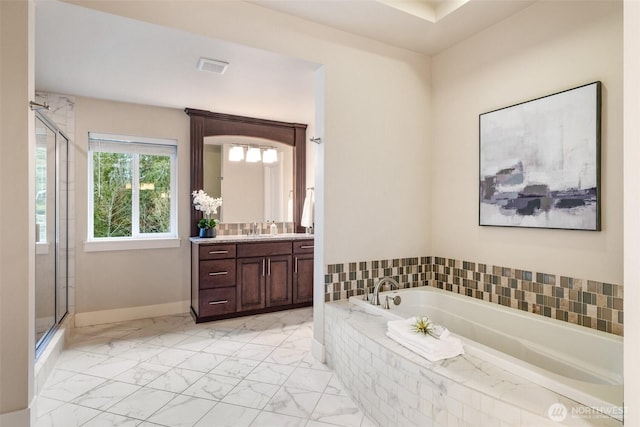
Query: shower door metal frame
{"points": [[61, 228]]}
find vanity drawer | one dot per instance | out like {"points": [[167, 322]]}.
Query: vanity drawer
{"points": [[217, 273], [264, 249], [217, 301], [303, 246], [217, 251]]}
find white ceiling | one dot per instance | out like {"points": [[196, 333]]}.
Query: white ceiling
{"points": [[84, 52]]}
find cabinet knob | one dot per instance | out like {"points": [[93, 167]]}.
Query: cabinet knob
{"points": [[218, 252], [218, 302], [306, 247]]}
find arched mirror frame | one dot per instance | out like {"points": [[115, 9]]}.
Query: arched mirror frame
{"points": [[206, 123]]}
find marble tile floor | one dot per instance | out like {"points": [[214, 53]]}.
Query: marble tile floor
{"points": [[254, 371]]}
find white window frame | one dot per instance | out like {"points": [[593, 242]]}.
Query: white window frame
{"points": [[133, 145]]}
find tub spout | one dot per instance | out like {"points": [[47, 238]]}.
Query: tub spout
{"points": [[375, 300]]}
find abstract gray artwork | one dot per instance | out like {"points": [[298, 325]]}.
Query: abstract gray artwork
{"points": [[540, 162]]}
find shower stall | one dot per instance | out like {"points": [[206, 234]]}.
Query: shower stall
{"points": [[52, 230]]}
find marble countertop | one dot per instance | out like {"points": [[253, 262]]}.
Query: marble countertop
{"points": [[240, 238]]}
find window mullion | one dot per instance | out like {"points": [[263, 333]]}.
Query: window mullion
{"points": [[135, 196], [173, 195], [91, 196]]}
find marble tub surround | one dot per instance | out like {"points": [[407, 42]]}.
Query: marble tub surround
{"points": [[167, 371], [588, 303], [395, 387]]}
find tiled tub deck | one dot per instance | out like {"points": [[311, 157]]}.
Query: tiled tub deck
{"points": [[395, 387]]}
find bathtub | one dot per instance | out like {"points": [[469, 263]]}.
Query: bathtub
{"points": [[583, 364]]}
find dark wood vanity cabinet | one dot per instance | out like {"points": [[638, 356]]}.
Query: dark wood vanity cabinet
{"points": [[247, 278]]}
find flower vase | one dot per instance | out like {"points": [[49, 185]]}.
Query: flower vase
{"points": [[207, 232]]}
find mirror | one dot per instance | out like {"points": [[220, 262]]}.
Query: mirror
{"points": [[208, 124], [251, 191]]}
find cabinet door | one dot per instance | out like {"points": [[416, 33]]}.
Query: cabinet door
{"points": [[278, 283], [303, 278], [250, 283]]}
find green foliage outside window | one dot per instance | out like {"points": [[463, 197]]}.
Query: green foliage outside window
{"points": [[113, 206], [155, 194], [112, 194]]}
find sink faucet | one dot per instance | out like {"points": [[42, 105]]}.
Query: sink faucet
{"points": [[375, 300]]}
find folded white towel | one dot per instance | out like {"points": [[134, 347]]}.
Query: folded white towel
{"points": [[432, 356], [400, 326], [307, 211], [439, 332], [427, 346]]}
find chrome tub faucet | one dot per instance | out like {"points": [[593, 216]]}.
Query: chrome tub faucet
{"points": [[375, 300]]}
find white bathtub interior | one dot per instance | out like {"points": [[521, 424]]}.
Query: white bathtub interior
{"points": [[582, 364]]}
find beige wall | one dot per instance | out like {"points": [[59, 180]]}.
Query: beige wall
{"points": [[631, 212], [17, 212], [130, 278], [548, 47]]}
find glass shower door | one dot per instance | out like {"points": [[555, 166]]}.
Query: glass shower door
{"points": [[51, 259]]}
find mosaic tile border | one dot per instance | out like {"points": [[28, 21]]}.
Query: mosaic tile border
{"points": [[588, 303], [233, 228], [346, 280]]}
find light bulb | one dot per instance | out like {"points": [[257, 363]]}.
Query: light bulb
{"points": [[270, 156], [253, 155], [236, 154]]}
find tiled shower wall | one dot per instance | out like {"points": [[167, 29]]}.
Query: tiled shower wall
{"points": [[582, 302]]}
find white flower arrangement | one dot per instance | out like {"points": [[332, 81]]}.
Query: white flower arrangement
{"points": [[208, 205]]}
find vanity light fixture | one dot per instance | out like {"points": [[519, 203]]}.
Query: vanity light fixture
{"points": [[270, 155], [253, 155], [236, 154]]}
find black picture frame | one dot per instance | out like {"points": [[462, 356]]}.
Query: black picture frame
{"points": [[539, 162]]}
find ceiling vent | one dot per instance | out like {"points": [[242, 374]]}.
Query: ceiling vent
{"points": [[212, 65]]}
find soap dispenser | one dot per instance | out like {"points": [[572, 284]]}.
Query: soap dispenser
{"points": [[274, 228]]}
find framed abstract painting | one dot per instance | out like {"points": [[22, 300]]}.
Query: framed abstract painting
{"points": [[540, 162]]}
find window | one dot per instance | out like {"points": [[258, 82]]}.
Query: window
{"points": [[132, 188]]}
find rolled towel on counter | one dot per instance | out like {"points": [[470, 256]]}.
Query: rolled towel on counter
{"points": [[427, 346]]}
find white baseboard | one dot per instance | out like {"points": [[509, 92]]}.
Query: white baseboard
{"points": [[130, 313], [21, 418], [317, 350]]}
